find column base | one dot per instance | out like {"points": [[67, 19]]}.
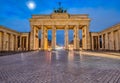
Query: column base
{"points": [[67, 49], [76, 49], [53, 49]]}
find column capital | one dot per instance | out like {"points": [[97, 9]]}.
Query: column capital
{"points": [[53, 27]]}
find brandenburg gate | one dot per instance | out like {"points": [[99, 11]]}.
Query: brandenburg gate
{"points": [[59, 20], [38, 37]]}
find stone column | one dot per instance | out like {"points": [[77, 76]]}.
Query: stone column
{"points": [[83, 38], [7, 42], [116, 40], [5, 38], [119, 39], [112, 40], [42, 37], [21, 39], [92, 42], [16, 43], [27, 42], [36, 39], [98, 42], [32, 38], [45, 39], [106, 41], [53, 37], [20, 48], [11, 44], [66, 37], [86, 37], [102, 41], [1, 41], [109, 41], [84, 45], [76, 37], [23, 43]]}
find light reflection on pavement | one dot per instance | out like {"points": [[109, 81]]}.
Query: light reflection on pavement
{"points": [[59, 67]]}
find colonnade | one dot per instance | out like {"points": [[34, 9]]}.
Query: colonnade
{"points": [[111, 40], [11, 40], [44, 37], [8, 41], [107, 40]]}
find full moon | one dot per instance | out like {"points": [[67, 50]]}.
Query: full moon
{"points": [[31, 5]]}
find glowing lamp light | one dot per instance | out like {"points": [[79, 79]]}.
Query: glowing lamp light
{"points": [[59, 48]]}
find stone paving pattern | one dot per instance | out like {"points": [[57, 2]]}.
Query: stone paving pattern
{"points": [[58, 67]]}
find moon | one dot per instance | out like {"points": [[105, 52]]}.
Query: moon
{"points": [[31, 5]]}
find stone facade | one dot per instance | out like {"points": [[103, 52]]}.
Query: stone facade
{"points": [[108, 39], [11, 40], [59, 21]]}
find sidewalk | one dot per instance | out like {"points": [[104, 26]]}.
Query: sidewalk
{"points": [[115, 55]]}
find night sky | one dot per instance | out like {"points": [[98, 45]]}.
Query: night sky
{"points": [[15, 14]]}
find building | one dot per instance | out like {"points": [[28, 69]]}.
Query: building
{"points": [[108, 39], [11, 40]]}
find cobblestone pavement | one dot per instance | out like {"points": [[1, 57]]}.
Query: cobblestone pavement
{"points": [[58, 67]]}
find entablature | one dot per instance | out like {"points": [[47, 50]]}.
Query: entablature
{"points": [[9, 31], [61, 16], [62, 22]]}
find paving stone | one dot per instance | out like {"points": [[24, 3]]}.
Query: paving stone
{"points": [[58, 67]]}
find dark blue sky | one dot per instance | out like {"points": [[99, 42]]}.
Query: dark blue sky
{"points": [[15, 14]]}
